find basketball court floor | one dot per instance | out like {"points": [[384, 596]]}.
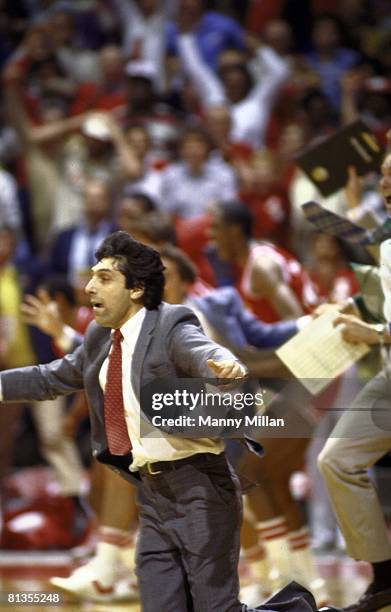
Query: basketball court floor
{"points": [[29, 572]]}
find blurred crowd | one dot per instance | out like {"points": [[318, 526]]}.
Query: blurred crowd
{"points": [[178, 121]]}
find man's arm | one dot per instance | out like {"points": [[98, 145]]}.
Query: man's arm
{"points": [[355, 331], [131, 167], [41, 134], [267, 335], [274, 70], [197, 355], [205, 82], [259, 334], [351, 83], [267, 281], [42, 382], [27, 132], [237, 325]]}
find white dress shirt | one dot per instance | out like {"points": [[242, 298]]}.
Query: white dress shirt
{"points": [[157, 445]]}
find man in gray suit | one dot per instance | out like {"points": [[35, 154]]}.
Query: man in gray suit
{"points": [[190, 502]]}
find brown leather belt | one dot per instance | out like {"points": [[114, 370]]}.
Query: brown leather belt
{"points": [[159, 467]]}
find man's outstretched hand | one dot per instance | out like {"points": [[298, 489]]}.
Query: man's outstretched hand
{"points": [[226, 368]]}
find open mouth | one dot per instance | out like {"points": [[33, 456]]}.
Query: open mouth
{"points": [[96, 305]]}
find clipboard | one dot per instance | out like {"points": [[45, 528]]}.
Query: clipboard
{"points": [[326, 162]]}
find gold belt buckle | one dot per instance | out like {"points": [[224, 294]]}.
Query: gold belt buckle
{"points": [[151, 471]]}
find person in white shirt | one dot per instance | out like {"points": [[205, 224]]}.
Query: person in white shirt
{"points": [[191, 184], [250, 104], [143, 32], [361, 437]]}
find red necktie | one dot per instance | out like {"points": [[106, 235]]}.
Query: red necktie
{"points": [[116, 429]]}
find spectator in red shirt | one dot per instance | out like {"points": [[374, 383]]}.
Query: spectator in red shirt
{"points": [[109, 92], [266, 197]]}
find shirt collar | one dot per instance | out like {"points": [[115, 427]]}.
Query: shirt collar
{"points": [[133, 325]]}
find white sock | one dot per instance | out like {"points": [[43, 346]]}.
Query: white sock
{"points": [[128, 550], [257, 561], [107, 553], [303, 560], [273, 534], [108, 550]]}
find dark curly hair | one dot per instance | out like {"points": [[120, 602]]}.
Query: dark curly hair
{"points": [[140, 264]]}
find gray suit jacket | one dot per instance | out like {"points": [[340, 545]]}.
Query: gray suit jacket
{"points": [[171, 344]]}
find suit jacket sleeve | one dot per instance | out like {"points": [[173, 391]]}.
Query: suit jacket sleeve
{"points": [[190, 349], [42, 382]]}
